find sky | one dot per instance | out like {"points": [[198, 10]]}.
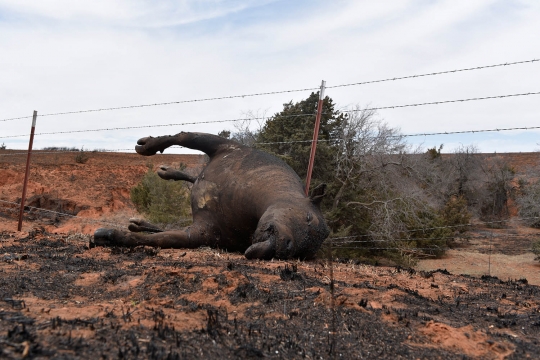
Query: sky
{"points": [[61, 56]]}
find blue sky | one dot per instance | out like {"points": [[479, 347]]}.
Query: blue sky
{"points": [[61, 55]]}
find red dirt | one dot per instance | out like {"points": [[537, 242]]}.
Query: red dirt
{"points": [[100, 187], [63, 300]]}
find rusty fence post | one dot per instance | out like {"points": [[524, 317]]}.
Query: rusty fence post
{"points": [[315, 136], [27, 174]]}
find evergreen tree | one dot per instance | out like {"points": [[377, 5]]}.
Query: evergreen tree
{"points": [[290, 133]]}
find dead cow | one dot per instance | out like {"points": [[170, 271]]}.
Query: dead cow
{"points": [[243, 200]]}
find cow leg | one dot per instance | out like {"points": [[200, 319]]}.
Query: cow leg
{"points": [[190, 237], [206, 143], [168, 173], [140, 225]]}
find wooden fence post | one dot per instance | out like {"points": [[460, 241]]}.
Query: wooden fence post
{"points": [[27, 174], [315, 137]]}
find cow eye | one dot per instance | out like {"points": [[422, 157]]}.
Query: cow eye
{"points": [[309, 217]]}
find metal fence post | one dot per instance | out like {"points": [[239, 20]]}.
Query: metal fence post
{"points": [[315, 136], [27, 174]]}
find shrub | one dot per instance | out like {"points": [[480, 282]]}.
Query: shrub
{"points": [[3, 146], [529, 203], [403, 231], [81, 157], [499, 189], [434, 153], [161, 201], [456, 214]]}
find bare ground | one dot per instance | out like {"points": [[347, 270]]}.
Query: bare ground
{"points": [[504, 253], [96, 191], [62, 300]]}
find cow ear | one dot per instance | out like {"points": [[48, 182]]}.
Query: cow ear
{"points": [[317, 194]]}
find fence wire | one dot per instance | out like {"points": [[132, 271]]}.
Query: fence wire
{"points": [[337, 242], [280, 91], [39, 152], [344, 240], [445, 102], [331, 241], [299, 141], [30, 208], [495, 222], [434, 73], [413, 135], [394, 248], [56, 213], [111, 151], [259, 118], [156, 125]]}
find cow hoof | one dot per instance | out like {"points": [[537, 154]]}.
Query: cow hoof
{"points": [[149, 146], [140, 225], [133, 227], [102, 237]]}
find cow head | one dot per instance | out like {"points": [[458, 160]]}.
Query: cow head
{"points": [[290, 229]]}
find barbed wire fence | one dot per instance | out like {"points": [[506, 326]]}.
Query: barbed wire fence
{"points": [[336, 242], [278, 92], [304, 115], [478, 131]]}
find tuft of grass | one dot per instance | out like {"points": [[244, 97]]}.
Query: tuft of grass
{"points": [[81, 157]]}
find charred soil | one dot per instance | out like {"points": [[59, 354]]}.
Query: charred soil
{"points": [[62, 300]]}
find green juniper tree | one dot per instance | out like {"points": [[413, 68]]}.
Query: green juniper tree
{"points": [[290, 132]]}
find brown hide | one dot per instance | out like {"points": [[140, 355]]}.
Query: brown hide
{"points": [[243, 200]]}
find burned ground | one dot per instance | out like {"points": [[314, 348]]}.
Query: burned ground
{"points": [[62, 300]]}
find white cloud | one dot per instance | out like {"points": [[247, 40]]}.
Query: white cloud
{"points": [[133, 13], [73, 55]]}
